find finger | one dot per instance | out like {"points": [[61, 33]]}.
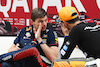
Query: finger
{"points": [[17, 45], [62, 26], [40, 27], [34, 30]]}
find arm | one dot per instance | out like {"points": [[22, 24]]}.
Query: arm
{"points": [[14, 48], [50, 52], [64, 30], [15, 45], [70, 42]]}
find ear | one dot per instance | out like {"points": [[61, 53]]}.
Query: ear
{"points": [[66, 23], [32, 22]]}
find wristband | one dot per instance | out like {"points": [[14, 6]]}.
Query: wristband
{"points": [[41, 43], [66, 36]]}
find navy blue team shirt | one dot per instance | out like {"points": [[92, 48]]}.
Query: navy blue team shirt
{"points": [[26, 37]]}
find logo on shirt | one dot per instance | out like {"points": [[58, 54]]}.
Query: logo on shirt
{"points": [[56, 40], [67, 43], [95, 28], [27, 35], [28, 28], [44, 38]]}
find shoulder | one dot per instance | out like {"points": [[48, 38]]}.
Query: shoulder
{"points": [[79, 26], [83, 25], [24, 29], [27, 28], [51, 32]]}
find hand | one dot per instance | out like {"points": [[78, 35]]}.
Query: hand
{"points": [[64, 30], [38, 33], [17, 48]]}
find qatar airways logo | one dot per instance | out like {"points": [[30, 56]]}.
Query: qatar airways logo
{"points": [[46, 3], [98, 3]]}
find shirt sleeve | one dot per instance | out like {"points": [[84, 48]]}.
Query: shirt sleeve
{"points": [[53, 39], [19, 35], [70, 42]]}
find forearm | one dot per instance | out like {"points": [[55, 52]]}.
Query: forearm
{"points": [[13, 48], [50, 52], [10, 50]]}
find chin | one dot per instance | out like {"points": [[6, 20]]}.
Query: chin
{"points": [[43, 29]]}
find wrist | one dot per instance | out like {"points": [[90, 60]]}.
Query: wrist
{"points": [[66, 36], [40, 43], [39, 40]]}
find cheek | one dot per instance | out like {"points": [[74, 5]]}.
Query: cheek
{"points": [[35, 25], [65, 24]]}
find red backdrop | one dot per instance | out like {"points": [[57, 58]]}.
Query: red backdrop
{"points": [[20, 18]]}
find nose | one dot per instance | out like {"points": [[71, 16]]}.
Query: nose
{"points": [[44, 23]]}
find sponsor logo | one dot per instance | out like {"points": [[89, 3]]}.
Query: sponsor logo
{"points": [[28, 34], [65, 47], [95, 28], [67, 43], [62, 52], [7, 58]]}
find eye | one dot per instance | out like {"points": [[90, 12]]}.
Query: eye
{"points": [[45, 20], [40, 21]]}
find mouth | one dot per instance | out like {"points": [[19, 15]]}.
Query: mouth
{"points": [[43, 28]]}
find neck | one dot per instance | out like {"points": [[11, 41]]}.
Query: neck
{"points": [[73, 24]]}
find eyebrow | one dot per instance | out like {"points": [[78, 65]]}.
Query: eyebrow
{"points": [[42, 20], [46, 19]]}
